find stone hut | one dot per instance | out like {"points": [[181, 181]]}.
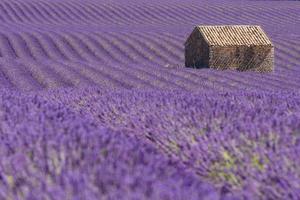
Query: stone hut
{"points": [[239, 47]]}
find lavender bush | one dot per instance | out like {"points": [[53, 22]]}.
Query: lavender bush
{"points": [[48, 152], [246, 141]]}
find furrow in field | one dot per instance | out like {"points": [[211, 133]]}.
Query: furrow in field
{"points": [[90, 50], [153, 49], [50, 47], [176, 42], [169, 14], [115, 51], [40, 13], [100, 10], [286, 79], [201, 77], [281, 15], [292, 43], [155, 76], [136, 49], [66, 16], [99, 77], [11, 12], [82, 50], [28, 12], [6, 47], [167, 75], [103, 49], [20, 45], [144, 14], [223, 78], [152, 77], [47, 75], [36, 49], [64, 46], [190, 14], [292, 48], [108, 9], [20, 12], [5, 81], [123, 75], [74, 6], [18, 76], [141, 14], [256, 15], [123, 49], [73, 14], [246, 16], [5, 13], [206, 15], [52, 9], [135, 14], [131, 15], [88, 11], [42, 8], [185, 14], [161, 46], [286, 57], [250, 79], [67, 74], [165, 14], [2, 18], [292, 12], [100, 16], [229, 78], [283, 62]]}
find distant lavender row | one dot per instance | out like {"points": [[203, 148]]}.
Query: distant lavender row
{"points": [[50, 14], [31, 75], [137, 44], [49, 152], [248, 140]]}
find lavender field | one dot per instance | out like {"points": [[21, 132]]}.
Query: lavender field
{"points": [[96, 103]]}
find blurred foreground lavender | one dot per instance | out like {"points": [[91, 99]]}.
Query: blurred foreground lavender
{"points": [[247, 143], [83, 144], [47, 152]]}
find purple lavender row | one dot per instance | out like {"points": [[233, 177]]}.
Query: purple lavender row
{"points": [[248, 141], [142, 12], [47, 151]]}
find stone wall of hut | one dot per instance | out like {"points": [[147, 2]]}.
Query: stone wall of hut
{"points": [[196, 52], [242, 58]]}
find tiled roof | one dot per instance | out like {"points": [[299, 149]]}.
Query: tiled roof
{"points": [[231, 35]]}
